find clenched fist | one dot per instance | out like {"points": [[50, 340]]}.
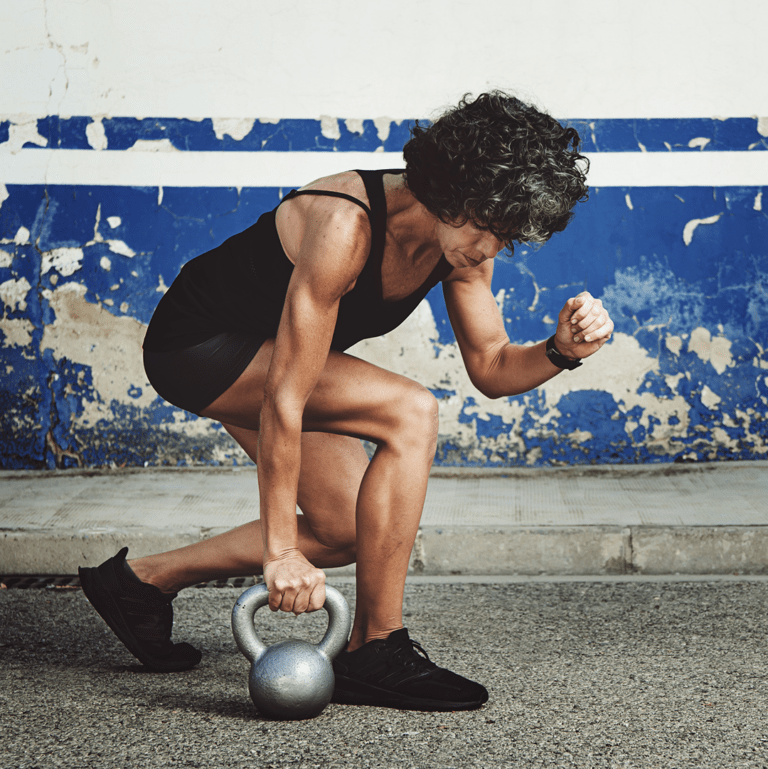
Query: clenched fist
{"points": [[583, 327], [294, 584]]}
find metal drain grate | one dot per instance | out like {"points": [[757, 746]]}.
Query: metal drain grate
{"points": [[27, 582], [233, 582], [31, 582]]}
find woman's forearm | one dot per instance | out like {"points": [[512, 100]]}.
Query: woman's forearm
{"points": [[278, 465], [518, 369]]}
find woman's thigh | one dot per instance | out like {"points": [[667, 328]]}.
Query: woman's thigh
{"points": [[352, 397], [332, 469]]}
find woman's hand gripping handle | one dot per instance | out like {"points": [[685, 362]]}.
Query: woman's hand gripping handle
{"points": [[294, 584]]}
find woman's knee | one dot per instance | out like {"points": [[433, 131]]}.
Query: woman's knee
{"points": [[340, 538], [416, 416]]}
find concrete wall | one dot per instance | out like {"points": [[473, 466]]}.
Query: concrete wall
{"points": [[135, 135]]}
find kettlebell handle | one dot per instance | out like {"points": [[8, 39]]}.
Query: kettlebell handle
{"points": [[255, 597]]}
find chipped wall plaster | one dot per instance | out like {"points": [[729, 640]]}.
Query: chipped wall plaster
{"points": [[689, 328], [20, 134], [17, 332], [329, 127], [96, 135], [713, 350], [66, 261], [87, 334], [13, 294], [690, 227], [237, 128]]}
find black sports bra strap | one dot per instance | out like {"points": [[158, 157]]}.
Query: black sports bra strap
{"points": [[332, 194]]}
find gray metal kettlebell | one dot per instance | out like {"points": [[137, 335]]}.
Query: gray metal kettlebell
{"points": [[292, 679]]}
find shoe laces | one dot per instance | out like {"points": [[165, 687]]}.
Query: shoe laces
{"points": [[413, 657]]}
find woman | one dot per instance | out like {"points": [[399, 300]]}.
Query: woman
{"points": [[253, 334]]}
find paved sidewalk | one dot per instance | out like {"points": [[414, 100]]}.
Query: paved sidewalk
{"points": [[658, 519]]}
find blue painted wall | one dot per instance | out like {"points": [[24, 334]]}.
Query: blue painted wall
{"points": [[685, 379]]}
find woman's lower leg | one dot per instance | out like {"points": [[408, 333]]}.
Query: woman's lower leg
{"points": [[389, 508], [235, 553]]}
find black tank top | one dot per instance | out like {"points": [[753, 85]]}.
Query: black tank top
{"points": [[241, 285]]}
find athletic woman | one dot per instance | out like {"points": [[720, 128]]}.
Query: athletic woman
{"points": [[253, 334]]}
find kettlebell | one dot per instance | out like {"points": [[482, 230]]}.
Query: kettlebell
{"points": [[292, 679]]}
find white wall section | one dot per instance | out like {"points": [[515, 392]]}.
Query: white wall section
{"points": [[300, 58], [294, 169]]}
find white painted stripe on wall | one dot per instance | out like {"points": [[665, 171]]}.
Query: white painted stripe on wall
{"points": [[293, 169]]}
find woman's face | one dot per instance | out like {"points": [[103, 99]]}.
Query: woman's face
{"points": [[466, 245]]}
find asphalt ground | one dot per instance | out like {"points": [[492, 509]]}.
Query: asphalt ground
{"points": [[601, 673]]}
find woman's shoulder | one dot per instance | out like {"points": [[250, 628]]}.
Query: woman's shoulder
{"points": [[347, 183], [305, 218]]}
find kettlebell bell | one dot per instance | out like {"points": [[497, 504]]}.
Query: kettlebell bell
{"points": [[292, 679]]}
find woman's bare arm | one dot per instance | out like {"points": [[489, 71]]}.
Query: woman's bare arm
{"points": [[333, 250], [498, 368]]}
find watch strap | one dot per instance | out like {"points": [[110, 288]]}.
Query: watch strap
{"points": [[560, 360]]}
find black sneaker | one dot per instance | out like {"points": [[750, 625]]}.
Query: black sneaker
{"points": [[397, 673], [140, 615]]}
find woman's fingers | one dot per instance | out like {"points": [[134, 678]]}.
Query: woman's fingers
{"points": [[592, 332], [294, 585], [584, 326], [317, 598]]}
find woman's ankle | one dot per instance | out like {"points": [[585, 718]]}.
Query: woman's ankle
{"points": [[147, 572], [361, 637]]}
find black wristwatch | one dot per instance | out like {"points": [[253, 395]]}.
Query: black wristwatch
{"points": [[560, 360]]}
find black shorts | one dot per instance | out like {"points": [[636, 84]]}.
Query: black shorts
{"points": [[192, 378]]}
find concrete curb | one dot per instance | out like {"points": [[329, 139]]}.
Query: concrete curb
{"points": [[446, 551]]}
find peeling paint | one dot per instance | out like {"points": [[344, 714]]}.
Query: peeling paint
{"points": [[758, 204], [111, 346], [20, 134], [691, 226], [716, 351], [355, 126], [152, 145], [66, 261], [674, 344], [3, 194], [237, 128], [17, 332], [120, 247], [195, 133], [762, 126], [709, 398], [682, 380], [96, 135], [699, 142], [329, 127], [382, 127], [13, 294]]}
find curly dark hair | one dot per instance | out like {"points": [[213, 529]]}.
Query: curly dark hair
{"points": [[499, 163]]}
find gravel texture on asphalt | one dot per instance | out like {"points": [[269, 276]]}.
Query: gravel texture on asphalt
{"points": [[607, 674]]}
